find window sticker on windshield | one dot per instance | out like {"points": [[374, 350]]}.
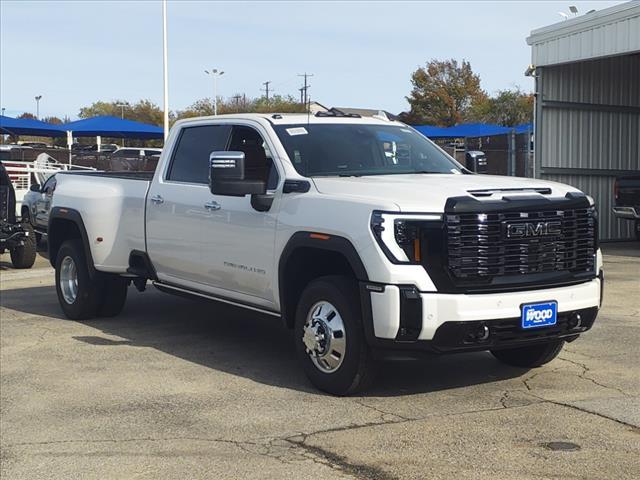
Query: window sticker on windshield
{"points": [[297, 131]]}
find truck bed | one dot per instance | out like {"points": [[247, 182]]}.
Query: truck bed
{"points": [[145, 176], [111, 205]]}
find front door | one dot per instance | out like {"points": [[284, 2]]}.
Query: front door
{"points": [[177, 207], [43, 204], [238, 240]]}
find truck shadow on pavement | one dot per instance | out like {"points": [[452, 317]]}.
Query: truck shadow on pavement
{"points": [[247, 344]]}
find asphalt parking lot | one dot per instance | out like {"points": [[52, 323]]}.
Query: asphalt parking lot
{"points": [[179, 389]]}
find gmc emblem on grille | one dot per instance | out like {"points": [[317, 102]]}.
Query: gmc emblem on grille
{"points": [[533, 229]]}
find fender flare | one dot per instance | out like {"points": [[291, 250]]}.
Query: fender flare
{"points": [[73, 216], [322, 241]]}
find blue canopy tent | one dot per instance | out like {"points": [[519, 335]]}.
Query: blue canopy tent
{"points": [[29, 126], [470, 130], [113, 127]]}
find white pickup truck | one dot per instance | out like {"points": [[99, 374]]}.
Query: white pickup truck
{"points": [[362, 235]]}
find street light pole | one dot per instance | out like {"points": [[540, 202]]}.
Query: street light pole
{"points": [[38, 106], [215, 73], [122, 105], [165, 69]]}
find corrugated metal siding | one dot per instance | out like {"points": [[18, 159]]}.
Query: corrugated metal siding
{"points": [[601, 189], [583, 38], [593, 140], [609, 81], [588, 138]]}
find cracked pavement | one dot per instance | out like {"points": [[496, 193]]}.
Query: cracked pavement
{"points": [[179, 389]]}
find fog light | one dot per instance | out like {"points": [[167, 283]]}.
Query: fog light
{"points": [[482, 333], [575, 321]]}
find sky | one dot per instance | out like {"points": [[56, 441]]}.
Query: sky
{"points": [[361, 54]]}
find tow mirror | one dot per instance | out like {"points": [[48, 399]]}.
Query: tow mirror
{"points": [[227, 176]]}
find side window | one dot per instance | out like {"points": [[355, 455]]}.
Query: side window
{"points": [[49, 185], [258, 160], [190, 160]]}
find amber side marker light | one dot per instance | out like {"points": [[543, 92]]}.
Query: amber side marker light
{"points": [[416, 250], [319, 236]]}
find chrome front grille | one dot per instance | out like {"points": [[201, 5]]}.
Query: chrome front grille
{"points": [[482, 246]]}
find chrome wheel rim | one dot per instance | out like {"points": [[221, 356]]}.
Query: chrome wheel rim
{"points": [[69, 280], [324, 337]]}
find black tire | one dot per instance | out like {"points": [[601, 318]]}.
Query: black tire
{"points": [[24, 256], [531, 356], [358, 368], [114, 296], [88, 298]]}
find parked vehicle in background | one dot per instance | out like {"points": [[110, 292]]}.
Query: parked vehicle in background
{"points": [[140, 159], [40, 145], [36, 206], [108, 147], [135, 152], [626, 191], [476, 161], [16, 237], [320, 221]]}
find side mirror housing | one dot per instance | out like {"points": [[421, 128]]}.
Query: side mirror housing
{"points": [[227, 176], [35, 187]]}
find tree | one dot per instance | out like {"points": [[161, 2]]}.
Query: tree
{"points": [[443, 93], [144, 111], [508, 108], [241, 104], [27, 115]]}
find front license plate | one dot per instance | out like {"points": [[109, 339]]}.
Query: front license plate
{"points": [[539, 314]]}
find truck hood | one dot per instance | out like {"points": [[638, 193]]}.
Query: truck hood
{"points": [[429, 192]]}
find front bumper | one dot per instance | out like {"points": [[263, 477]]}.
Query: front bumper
{"points": [[630, 213], [12, 235], [401, 317]]}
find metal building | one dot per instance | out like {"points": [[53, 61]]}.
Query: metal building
{"points": [[587, 115]]}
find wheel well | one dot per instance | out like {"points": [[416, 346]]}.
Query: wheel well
{"points": [[60, 231], [304, 265]]}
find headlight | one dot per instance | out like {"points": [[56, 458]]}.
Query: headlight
{"points": [[399, 235]]}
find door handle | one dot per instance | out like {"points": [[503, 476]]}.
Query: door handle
{"points": [[157, 199], [212, 206]]}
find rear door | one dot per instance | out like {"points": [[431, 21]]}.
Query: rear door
{"points": [[177, 205]]}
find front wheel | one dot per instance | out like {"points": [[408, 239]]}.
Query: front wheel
{"points": [[24, 256], [531, 356], [329, 336]]}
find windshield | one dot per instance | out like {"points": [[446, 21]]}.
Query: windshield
{"points": [[358, 150]]}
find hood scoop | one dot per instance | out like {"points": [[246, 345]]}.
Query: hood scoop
{"points": [[491, 191]]}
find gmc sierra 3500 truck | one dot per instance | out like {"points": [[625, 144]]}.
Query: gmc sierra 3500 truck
{"points": [[362, 235]]}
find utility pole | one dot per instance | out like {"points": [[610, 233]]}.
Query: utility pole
{"points": [[266, 89], [237, 100], [306, 86]]}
